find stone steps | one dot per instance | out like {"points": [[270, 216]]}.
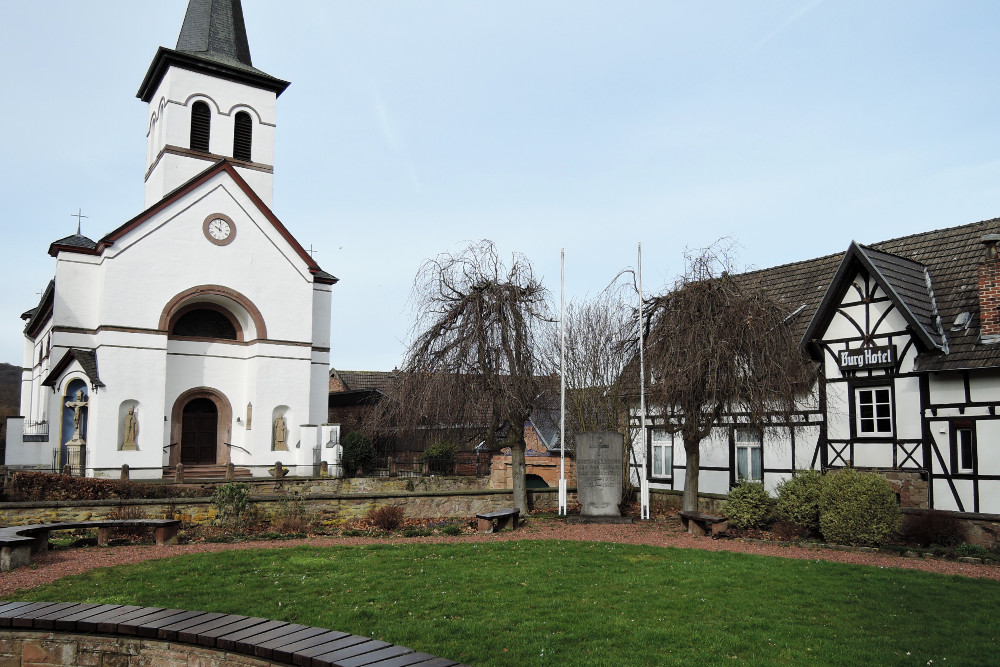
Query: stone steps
{"points": [[209, 472]]}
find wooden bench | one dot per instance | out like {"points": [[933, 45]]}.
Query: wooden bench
{"points": [[280, 642], [17, 543], [493, 522], [698, 523]]}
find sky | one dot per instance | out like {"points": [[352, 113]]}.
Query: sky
{"points": [[413, 128]]}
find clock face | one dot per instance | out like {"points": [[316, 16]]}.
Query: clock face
{"points": [[219, 229]]}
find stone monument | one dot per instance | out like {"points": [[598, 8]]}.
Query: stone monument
{"points": [[599, 475], [76, 446]]}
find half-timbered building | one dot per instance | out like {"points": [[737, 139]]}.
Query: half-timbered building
{"points": [[906, 337]]}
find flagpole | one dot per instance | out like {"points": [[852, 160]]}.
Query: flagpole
{"points": [[643, 481], [562, 382]]}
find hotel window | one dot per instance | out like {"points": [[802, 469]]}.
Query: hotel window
{"points": [[662, 450], [874, 410], [963, 448], [749, 459]]}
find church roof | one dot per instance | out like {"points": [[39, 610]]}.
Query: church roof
{"points": [[224, 165], [87, 360], [74, 241], [41, 313], [213, 40]]}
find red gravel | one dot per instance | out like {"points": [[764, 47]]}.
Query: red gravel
{"points": [[56, 564]]}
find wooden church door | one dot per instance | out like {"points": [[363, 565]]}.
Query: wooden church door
{"points": [[199, 432]]}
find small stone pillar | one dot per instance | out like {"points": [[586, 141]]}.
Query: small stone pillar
{"points": [[179, 474], [279, 472], [231, 470], [66, 470], [324, 469], [124, 475], [392, 467]]}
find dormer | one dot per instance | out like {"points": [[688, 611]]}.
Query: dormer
{"points": [[207, 101]]}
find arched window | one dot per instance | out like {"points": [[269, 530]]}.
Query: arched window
{"points": [[204, 323], [242, 136], [201, 125]]}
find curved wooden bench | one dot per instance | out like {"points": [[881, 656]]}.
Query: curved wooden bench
{"points": [[17, 543], [277, 641]]}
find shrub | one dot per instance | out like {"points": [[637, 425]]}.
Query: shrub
{"points": [[416, 531], [27, 486], [798, 500], [440, 457], [387, 518], [291, 517], [359, 453], [452, 529], [858, 508], [233, 508], [928, 527], [748, 505]]}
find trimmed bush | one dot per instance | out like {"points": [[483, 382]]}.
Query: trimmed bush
{"points": [[748, 505], [233, 510], [359, 453], [798, 500], [440, 457], [858, 508], [387, 518], [28, 486]]}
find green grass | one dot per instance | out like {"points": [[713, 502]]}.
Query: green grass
{"points": [[578, 603]]}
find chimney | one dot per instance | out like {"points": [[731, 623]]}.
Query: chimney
{"points": [[989, 290]]}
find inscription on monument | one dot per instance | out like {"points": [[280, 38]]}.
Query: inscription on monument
{"points": [[599, 472]]}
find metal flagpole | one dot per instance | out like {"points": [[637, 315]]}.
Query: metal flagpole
{"points": [[644, 481], [562, 382]]}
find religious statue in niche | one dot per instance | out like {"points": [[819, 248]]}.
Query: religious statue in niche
{"points": [[131, 430], [78, 405], [280, 434], [76, 446]]}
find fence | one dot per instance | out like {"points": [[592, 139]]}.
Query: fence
{"points": [[411, 464]]}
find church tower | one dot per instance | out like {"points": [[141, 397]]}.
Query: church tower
{"points": [[207, 102]]}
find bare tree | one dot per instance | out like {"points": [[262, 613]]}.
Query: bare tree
{"points": [[718, 344], [472, 367], [598, 395]]}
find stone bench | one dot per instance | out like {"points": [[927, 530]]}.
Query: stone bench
{"points": [[492, 522], [17, 543], [698, 523], [158, 630]]}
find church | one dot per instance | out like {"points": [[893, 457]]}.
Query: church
{"points": [[198, 332]]}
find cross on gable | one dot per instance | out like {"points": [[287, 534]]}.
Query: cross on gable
{"points": [[79, 218]]}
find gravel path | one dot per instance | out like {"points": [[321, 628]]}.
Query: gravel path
{"points": [[56, 564]]}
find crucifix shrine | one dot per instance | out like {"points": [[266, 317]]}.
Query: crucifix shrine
{"points": [[76, 446]]}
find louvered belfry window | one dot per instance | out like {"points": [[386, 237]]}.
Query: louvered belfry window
{"points": [[242, 136], [201, 125]]}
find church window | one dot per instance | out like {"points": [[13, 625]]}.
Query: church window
{"points": [[242, 136], [204, 323], [201, 124]]}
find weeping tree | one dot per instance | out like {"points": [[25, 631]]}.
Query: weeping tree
{"points": [[472, 369], [718, 345]]}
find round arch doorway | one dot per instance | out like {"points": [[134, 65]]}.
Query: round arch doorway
{"points": [[199, 432], [200, 423]]}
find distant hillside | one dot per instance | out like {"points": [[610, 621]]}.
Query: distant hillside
{"points": [[10, 392]]}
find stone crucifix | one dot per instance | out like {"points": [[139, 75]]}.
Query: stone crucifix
{"points": [[78, 405]]}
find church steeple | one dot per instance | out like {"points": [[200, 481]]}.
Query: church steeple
{"points": [[214, 29], [207, 101]]}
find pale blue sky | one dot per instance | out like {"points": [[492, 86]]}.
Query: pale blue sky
{"points": [[793, 126]]}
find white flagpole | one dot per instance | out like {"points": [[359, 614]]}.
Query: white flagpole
{"points": [[562, 382], [644, 481]]}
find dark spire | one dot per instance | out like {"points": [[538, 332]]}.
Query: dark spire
{"points": [[214, 29]]}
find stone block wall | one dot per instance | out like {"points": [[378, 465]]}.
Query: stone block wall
{"points": [[546, 467], [911, 487], [44, 649]]}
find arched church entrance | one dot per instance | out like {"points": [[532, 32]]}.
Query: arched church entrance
{"points": [[199, 431], [200, 424]]}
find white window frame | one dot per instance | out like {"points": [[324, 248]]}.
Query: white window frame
{"points": [[881, 411], [750, 441], [661, 441]]}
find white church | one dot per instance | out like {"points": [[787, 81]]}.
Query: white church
{"points": [[198, 332]]}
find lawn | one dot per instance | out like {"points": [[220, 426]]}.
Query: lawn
{"points": [[534, 602]]}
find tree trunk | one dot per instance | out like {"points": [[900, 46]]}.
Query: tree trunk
{"points": [[517, 474], [692, 451]]}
